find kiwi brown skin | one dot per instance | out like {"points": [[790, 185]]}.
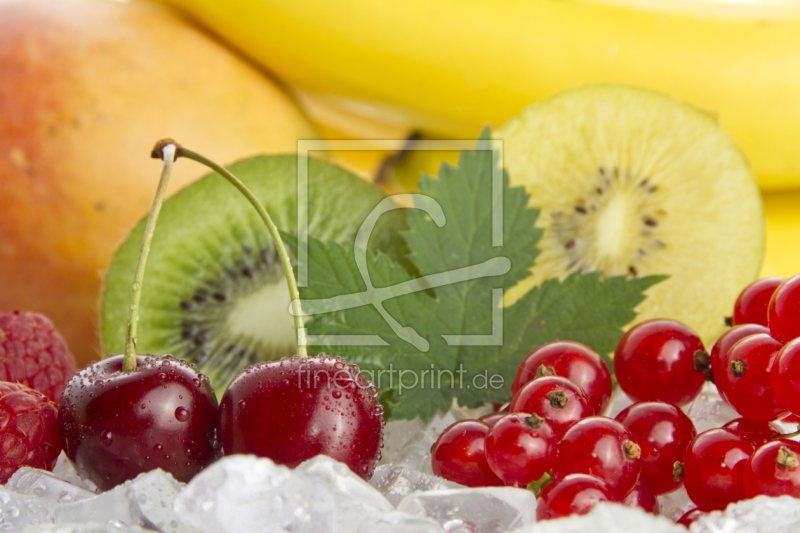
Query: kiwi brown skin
{"points": [[214, 292]]}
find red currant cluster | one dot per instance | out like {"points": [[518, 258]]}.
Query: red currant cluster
{"points": [[551, 438]]}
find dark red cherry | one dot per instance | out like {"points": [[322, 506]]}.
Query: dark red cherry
{"points": [[573, 361], [114, 425], [459, 455], [298, 408]]}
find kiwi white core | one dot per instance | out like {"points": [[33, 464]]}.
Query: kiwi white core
{"points": [[261, 317], [632, 182]]}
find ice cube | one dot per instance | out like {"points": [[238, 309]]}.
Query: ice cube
{"points": [[84, 527], [20, 510], [487, 510], [145, 501], [608, 518], [52, 490], [246, 493], [397, 522], [415, 453], [675, 504], [618, 403], [709, 410], [395, 482], [759, 515], [65, 470]]}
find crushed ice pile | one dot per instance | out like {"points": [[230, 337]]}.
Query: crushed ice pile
{"points": [[249, 494]]}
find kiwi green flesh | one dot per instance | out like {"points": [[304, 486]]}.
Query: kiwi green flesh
{"points": [[635, 182], [214, 292]]}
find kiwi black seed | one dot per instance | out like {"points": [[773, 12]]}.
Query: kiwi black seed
{"points": [[214, 292]]}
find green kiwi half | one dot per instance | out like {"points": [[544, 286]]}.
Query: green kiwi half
{"points": [[635, 182], [214, 292]]}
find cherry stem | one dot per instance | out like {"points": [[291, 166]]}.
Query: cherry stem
{"points": [[129, 359], [294, 292]]}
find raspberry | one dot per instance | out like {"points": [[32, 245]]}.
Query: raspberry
{"points": [[34, 354], [28, 430]]}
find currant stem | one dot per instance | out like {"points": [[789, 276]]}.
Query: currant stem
{"points": [[788, 435], [129, 359], [294, 292]]}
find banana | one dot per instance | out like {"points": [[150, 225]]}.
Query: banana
{"points": [[450, 66]]}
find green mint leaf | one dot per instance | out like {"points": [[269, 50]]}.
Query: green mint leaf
{"points": [[440, 333]]}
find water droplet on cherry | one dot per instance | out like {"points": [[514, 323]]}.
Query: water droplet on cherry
{"points": [[107, 438], [181, 414]]}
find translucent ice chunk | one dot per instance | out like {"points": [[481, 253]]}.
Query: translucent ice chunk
{"points": [[709, 410], [20, 510], [489, 510], [415, 452], [395, 482], [86, 527], [246, 493], [618, 403], [608, 518], [52, 490], [65, 470], [759, 515], [145, 501], [675, 504]]}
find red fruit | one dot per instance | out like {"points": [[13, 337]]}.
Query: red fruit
{"points": [[572, 494], [557, 400], [492, 418], [655, 361], [459, 455], [114, 425], [719, 352], [758, 433], [34, 354], [642, 496], [774, 470], [747, 382], [690, 516], [785, 376], [573, 361], [753, 302], [791, 418], [601, 447], [663, 432], [298, 408], [714, 466], [784, 311], [28, 430], [520, 448]]}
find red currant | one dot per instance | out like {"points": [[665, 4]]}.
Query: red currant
{"points": [[459, 455], [785, 376], [690, 516], [719, 352], [774, 470], [601, 447], [570, 495], [746, 381], [557, 400], [758, 433], [492, 418], [752, 304], [655, 361], [713, 468], [784, 310], [663, 432], [643, 496], [520, 448], [572, 360]]}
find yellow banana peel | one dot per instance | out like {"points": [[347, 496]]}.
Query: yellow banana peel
{"points": [[450, 66]]}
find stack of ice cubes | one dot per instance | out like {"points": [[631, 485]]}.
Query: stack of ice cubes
{"points": [[248, 494]]}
